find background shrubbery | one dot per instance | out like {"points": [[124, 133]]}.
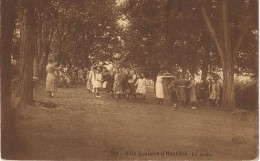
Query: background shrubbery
{"points": [[246, 94]]}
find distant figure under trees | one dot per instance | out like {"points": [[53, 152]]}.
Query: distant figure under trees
{"points": [[51, 84]]}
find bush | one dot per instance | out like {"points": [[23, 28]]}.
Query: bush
{"points": [[246, 94]]}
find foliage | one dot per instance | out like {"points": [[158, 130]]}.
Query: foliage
{"points": [[246, 94], [84, 31], [165, 33], [159, 34], [168, 32], [76, 32]]}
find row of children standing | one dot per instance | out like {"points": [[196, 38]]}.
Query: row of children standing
{"points": [[185, 91], [120, 83]]}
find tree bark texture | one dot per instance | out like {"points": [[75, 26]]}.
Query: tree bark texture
{"points": [[224, 47], [205, 66], [8, 14], [27, 51], [46, 46]]}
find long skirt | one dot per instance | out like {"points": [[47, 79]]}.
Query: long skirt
{"points": [[193, 95], [174, 97], [118, 87], [141, 90], [110, 85], [182, 94], [132, 88], [98, 84], [51, 84], [187, 93], [89, 85], [212, 95], [105, 85], [159, 90]]}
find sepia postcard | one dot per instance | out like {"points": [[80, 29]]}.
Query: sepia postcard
{"points": [[129, 80]]}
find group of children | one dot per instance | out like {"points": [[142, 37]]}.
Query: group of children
{"points": [[185, 91], [70, 75], [120, 83], [125, 83]]}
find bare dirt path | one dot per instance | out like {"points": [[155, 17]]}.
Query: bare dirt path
{"points": [[86, 127]]}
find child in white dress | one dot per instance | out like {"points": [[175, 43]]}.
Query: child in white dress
{"points": [[98, 82], [141, 86]]}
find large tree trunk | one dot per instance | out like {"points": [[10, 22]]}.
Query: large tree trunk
{"points": [[27, 51], [226, 47], [8, 25], [223, 44], [228, 98], [8, 14]]}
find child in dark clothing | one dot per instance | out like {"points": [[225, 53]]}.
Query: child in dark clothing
{"points": [[173, 92]]}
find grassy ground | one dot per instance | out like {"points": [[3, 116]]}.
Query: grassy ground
{"points": [[86, 127]]}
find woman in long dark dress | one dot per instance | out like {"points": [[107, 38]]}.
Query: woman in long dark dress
{"points": [[110, 84], [182, 92], [118, 85], [131, 85]]}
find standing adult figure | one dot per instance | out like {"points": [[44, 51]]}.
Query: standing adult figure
{"points": [[192, 93], [51, 84], [118, 86], [159, 85], [88, 78], [93, 78], [98, 83], [187, 90], [218, 90], [212, 92], [110, 83], [131, 82], [182, 91]]}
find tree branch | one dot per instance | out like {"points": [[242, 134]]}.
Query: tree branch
{"points": [[227, 48], [211, 29], [244, 29]]}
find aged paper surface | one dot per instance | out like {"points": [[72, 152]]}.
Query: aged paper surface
{"points": [[129, 80]]}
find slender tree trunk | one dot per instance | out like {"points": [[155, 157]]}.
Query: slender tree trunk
{"points": [[8, 14], [193, 66], [38, 51], [59, 58], [27, 51], [46, 46], [36, 67], [154, 78], [205, 66], [44, 62], [36, 59]]}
